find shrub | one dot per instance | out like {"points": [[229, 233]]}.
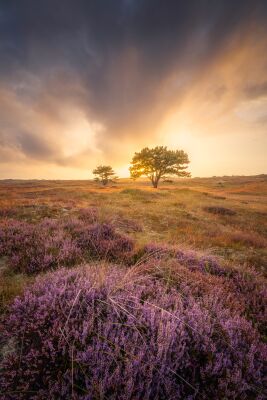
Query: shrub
{"points": [[7, 212], [189, 258], [194, 282], [154, 250], [251, 288], [33, 248], [202, 263], [200, 274], [90, 214], [219, 210], [74, 336], [101, 241]]}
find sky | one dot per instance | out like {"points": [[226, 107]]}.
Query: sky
{"points": [[89, 82]]}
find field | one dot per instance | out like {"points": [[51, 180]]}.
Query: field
{"points": [[114, 281]]}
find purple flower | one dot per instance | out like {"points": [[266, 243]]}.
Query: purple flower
{"points": [[84, 335]]}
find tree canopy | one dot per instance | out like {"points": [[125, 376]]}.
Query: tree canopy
{"points": [[158, 163], [104, 174]]}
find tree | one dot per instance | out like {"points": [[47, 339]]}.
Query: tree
{"points": [[158, 163], [103, 174]]}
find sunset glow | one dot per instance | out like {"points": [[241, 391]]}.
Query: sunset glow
{"points": [[93, 84]]}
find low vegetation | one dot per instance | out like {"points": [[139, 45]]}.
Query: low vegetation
{"points": [[219, 210], [126, 336], [131, 293]]}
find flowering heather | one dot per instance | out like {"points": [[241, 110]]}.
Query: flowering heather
{"points": [[101, 241], [189, 258], [251, 288], [33, 248], [74, 335], [203, 263], [199, 274], [89, 214], [158, 251], [7, 212]]}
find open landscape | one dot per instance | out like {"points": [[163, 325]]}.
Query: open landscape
{"points": [[126, 291], [133, 200]]}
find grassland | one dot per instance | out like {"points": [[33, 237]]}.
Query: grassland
{"points": [[220, 217], [175, 213]]}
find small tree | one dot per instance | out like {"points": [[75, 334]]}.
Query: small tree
{"points": [[158, 163], [103, 174]]}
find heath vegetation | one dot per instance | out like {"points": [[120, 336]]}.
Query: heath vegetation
{"points": [[132, 293]]}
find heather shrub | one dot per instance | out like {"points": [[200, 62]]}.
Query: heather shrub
{"points": [[251, 288], [154, 250], [33, 248], [7, 212], [199, 274], [194, 282], [98, 240], [191, 259], [203, 263], [219, 210], [102, 241], [89, 214], [120, 336]]}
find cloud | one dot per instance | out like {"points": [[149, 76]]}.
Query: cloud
{"points": [[255, 91], [110, 71]]}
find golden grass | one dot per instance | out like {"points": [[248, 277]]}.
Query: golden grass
{"points": [[173, 213]]}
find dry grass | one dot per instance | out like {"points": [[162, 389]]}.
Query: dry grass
{"points": [[11, 285], [173, 214]]}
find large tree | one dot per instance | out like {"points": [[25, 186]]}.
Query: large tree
{"points": [[104, 174], [158, 163]]}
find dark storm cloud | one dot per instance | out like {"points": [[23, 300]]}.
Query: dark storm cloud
{"points": [[256, 91], [113, 58], [27, 143], [34, 146]]}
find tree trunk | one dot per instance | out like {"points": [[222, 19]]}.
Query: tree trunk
{"points": [[155, 184], [155, 181]]}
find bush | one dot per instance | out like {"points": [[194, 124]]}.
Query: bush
{"points": [[202, 263], [33, 248], [7, 212], [219, 210], [189, 258], [77, 336], [251, 289], [200, 274], [101, 241], [154, 250], [89, 214]]}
